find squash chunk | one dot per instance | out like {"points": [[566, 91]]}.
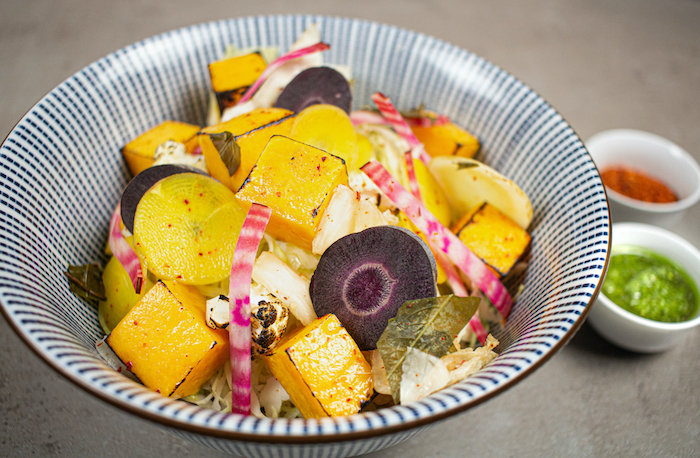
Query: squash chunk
{"points": [[322, 369], [138, 153], [166, 343], [251, 132], [495, 238], [296, 181], [447, 140], [248, 121], [231, 77]]}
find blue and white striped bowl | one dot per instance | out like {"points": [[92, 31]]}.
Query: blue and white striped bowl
{"points": [[62, 174]]}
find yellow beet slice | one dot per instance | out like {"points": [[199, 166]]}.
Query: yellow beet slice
{"points": [[119, 293], [322, 369], [432, 194], [296, 181], [139, 152], [186, 227], [166, 343], [329, 128]]}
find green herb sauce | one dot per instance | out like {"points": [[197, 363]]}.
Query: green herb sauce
{"points": [[650, 285]]}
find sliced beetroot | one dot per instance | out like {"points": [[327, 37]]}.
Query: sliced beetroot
{"points": [[316, 85], [365, 277], [142, 182]]}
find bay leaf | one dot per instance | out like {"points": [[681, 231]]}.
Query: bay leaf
{"points": [[86, 282], [228, 149], [427, 324]]}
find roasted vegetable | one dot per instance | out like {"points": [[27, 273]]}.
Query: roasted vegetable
{"points": [[446, 139], [363, 278], [186, 227], [165, 342], [139, 152], [322, 369], [120, 296], [468, 183], [493, 237], [296, 181], [137, 187], [316, 85], [231, 77], [329, 128], [250, 133]]}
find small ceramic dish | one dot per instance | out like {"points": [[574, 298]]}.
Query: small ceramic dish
{"points": [[630, 331], [659, 158]]}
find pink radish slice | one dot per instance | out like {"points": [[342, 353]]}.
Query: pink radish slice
{"points": [[367, 117], [370, 117], [277, 63], [441, 237], [452, 275], [239, 305], [389, 111], [426, 121], [412, 179], [123, 252]]}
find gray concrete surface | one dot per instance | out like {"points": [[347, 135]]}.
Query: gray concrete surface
{"points": [[602, 64]]}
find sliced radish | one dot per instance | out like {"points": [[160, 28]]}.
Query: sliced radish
{"points": [[371, 117], [239, 305], [412, 179], [124, 252], [389, 111], [426, 121], [320, 46], [367, 117], [453, 278], [441, 237]]}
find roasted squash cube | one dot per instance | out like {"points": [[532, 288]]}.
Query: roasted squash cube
{"points": [[495, 238], [251, 132], [231, 77], [322, 369], [296, 181], [166, 343], [447, 140], [248, 121], [138, 153]]}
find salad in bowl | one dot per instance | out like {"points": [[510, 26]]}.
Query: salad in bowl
{"points": [[296, 257]]}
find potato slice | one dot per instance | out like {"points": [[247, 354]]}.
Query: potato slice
{"points": [[468, 183]]}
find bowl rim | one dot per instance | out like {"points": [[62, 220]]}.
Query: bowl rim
{"points": [[307, 438], [651, 207], [668, 237]]}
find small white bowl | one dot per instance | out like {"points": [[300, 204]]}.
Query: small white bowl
{"points": [[659, 158], [632, 332]]}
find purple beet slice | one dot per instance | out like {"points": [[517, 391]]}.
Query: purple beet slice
{"points": [[365, 277], [142, 182], [316, 85]]}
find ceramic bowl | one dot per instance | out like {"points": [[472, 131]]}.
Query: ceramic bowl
{"points": [[62, 175], [657, 157], [630, 331]]}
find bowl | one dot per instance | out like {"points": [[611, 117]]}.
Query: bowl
{"points": [[62, 175], [630, 331], [656, 156]]}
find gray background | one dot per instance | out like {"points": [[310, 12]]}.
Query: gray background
{"points": [[602, 64]]}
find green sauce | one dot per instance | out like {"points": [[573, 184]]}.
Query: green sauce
{"points": [[650, 285]]}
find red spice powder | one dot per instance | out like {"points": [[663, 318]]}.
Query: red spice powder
{"points": [[637, 185]]}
